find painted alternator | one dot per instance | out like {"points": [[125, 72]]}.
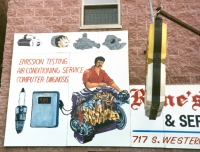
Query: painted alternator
{"points": [[155, 69], [60, 41]]}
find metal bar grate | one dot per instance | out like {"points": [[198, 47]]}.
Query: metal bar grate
{"points": [[94, 15]]}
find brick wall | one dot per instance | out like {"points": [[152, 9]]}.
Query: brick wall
{"points": [[39, 16]]}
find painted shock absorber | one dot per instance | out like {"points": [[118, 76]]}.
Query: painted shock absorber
{"points": [[155, 69]]}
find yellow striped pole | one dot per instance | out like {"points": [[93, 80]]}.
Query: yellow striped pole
{"points": [[155, 69]]}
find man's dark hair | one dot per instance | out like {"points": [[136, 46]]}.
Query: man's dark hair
{"points": [[100, 58]]}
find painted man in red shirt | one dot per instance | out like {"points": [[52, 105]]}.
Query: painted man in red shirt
{"points": [[96, 77]]}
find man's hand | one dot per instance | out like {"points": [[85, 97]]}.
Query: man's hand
{"points": [[102, 85]]}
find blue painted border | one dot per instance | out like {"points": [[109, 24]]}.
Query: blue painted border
{"points": [[167, 131]]}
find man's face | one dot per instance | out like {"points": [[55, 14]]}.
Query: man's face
{"points": [[99, 64]]}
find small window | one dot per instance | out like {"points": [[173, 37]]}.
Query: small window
{"points": [[100, 14]]}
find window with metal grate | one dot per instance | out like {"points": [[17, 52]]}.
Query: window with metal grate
{"points": [[100, 14]]}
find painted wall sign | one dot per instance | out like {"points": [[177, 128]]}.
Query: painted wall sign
{"points": [[72, 89], [77, 90]]}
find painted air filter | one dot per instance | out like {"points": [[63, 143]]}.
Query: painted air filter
{"points": [[155, 69]]}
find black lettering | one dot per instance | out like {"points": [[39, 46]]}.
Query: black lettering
{"points": [[190, 120], [184, 124], [197, 120]]}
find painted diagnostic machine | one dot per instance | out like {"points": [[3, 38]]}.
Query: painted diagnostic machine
{"points": [[155, 69]]}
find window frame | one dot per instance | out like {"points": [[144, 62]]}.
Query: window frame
{"points": [[101, 26]]}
